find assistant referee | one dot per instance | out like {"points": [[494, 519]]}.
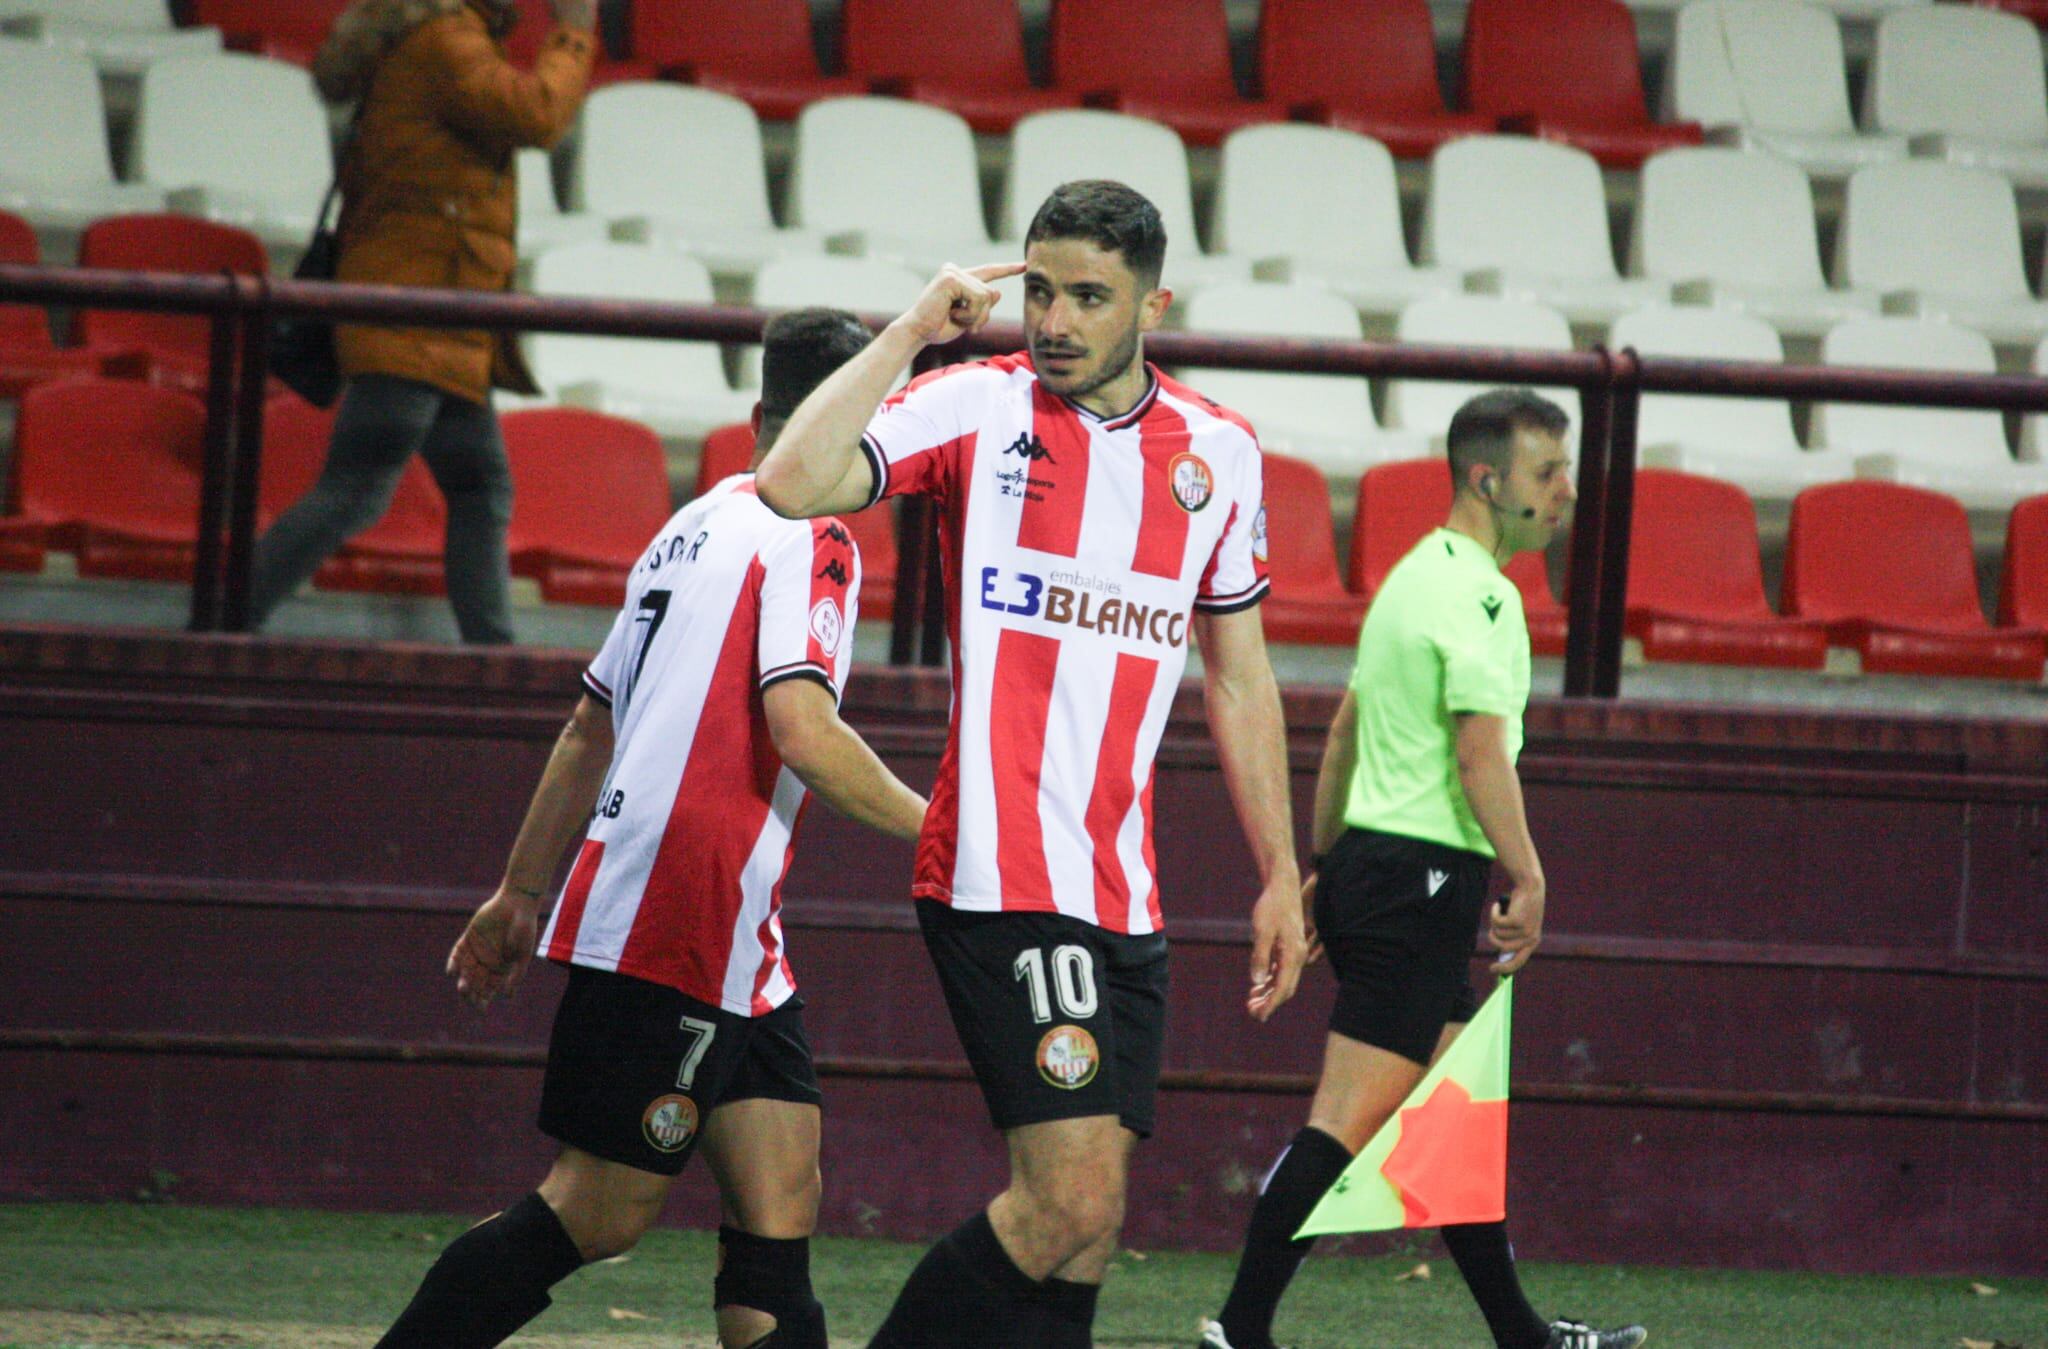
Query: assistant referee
{"points": [[1416, 800]]}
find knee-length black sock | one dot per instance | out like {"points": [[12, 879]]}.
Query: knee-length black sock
{"points": [[1308, 1168], [1488, 1264], [491, 1280]]}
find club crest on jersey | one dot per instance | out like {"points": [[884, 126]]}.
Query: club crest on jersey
{"points": [[827, 626], [1068, 1057], [1192, 483], [669, 1123], [1259, 535]]}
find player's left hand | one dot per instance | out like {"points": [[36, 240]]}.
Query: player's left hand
{"points": [[492, 954], [1279, 949]]}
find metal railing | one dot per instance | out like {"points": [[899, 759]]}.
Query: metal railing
{"points": [[1610, 385]]}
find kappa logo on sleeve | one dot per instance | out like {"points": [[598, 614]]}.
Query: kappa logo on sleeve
{"points": [[827, 626]]}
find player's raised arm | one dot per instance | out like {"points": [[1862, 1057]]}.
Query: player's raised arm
{"points": [[816, 467]]}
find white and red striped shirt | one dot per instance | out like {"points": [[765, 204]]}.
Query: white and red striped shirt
{"points": [[1075, 547], [680, 878]]}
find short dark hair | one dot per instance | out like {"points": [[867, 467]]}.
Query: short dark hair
{"points": [[1112, 216], [1483, 430], [799, 349]]}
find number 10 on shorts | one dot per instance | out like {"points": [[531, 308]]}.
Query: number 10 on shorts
{"points": [[1072, 982]]}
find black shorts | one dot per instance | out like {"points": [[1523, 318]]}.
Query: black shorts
{"points": [[635, 1067], [1060, 1019], [1399, 918]]}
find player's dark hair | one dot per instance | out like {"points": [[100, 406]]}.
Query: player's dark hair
{"points": [[1483, 430], [799, 349], [1110, 215]]}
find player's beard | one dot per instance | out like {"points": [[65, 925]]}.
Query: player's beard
{"points": [[1086, 380]]}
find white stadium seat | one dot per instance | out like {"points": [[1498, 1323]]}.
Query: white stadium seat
{"points": [[1050, 148], [2034, 426], [1324, 419], [1966, 85], [198, 138], [864, 285], [678, 388], [1770, 74], [1316, 204], [1940, 241], [542, 222], [1527, 219], [120, 37], [889, 179], [681, 167], [55, 167], [1959, 451], [1747, 441], [1734, 229], [1426, 406]]}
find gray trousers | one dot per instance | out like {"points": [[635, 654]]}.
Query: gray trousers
{"points": [[382, 423]]}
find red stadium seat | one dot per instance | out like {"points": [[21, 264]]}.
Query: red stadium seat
{"points": [[110, 470], [1696, 581], [28, 356], [1168, 60], [589, 492], [1308, 602], [2023, 585], [21, 544], [1365, 68], [760, 51], [726, 452], [966, 56], [172, 348], [1566, 70], [284, 30], [1400, 502], [1890, 570]]}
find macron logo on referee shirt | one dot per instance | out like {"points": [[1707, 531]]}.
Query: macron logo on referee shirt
{"points": [[1437, 879]]}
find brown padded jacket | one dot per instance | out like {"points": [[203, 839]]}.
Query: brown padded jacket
{"points": [[428, 197]]}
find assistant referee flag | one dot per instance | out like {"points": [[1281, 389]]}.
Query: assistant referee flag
{"points": [[1443, 1157]]}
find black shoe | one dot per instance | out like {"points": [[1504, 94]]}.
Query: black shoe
{"points": [[1570, 1334]]}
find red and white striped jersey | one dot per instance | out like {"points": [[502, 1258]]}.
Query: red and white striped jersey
{"points": [[680, 878], [1075, 548]]}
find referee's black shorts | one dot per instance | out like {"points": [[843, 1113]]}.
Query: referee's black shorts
{"points": [[1399, 918]]}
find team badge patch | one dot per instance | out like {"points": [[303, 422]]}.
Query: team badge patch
{"points": [[1259, 535], [670, 1123], [827, 626], [1192, 482], [1068, 1057]]}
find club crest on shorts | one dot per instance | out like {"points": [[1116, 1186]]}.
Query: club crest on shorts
{"points": [[670, 1122], [1191, 481], [1068, 1057]]}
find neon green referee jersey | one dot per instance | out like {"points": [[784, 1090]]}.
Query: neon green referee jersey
{"points": [[1445, 635]]}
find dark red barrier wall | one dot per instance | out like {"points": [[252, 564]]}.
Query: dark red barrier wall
{"points": [[1793, 1008]]}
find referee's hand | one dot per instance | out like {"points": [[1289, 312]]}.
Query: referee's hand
{"points": [[1515, 926], [1279, 949], [491, 955]]}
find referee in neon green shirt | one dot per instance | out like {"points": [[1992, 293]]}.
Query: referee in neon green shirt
{"points": [[1416, 800]]}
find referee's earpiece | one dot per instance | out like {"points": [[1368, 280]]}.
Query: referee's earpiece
{"points": [[1487, 489]]}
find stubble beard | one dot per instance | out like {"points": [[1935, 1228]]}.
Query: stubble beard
{"points": [[1077, 386]]}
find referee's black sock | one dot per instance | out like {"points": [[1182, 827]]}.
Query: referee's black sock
{"points": [[968, 1292], [1488, 1264], [1308, 1168], [491, 1280]]}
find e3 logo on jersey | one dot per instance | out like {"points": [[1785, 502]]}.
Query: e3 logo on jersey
{"points": [[1028, 596]]}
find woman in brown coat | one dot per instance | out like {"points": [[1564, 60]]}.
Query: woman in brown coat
{"points": [[428, 199]]}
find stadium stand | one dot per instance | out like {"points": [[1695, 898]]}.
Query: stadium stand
{"points": [[171, 348], [1469, 321], [1889, 569], [678, 388], [284, 30], [1734, 229], [28, 354], [2033, 11], [1771, 75], [976, 69], [863, 285], [56, 170], [536, 21], [712, 202], [1050, 148], [1696, 581], [1326, 420], [196, 139], [1183, 78], [589, 491], [891, 179], [1316, 204], [1528, 220], [1369, 69], [1746, 441], [762, 52], [119, 37], [1308, 602], [543, 224], [1953, 450], [1566, 70], [2023, 579], [2034, 426], [1965, 85]]}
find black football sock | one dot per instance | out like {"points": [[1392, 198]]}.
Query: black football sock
{"points": [[1072, 1308], [772, 1275], [1308, 1168], [967, 1291], [491, 1280], [1488, 1264]]}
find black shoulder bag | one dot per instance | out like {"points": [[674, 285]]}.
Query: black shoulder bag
{"points": [[302, 349]]}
